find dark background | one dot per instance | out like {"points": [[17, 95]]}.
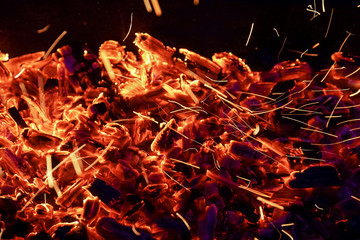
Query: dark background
{"points": [[212, 26]]}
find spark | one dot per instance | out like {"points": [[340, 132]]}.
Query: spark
{"points": [[315, 159], [256, 192], [336, 116], [76, 164], [355, 198], [189, 164], [148, 6], [251, 29], [124, 120], [271, 110], [327, 73], [346, 107], [331, 90], [194, 109], [100, 156], [276, 31], [184, 221], [65, 159], [328, 27], [146, 117], [270, 203], [302, 54], [216, 163], [332, 112], [288, 234], [175, 180], [350, 120], [316, 130], [323, 5], [190, 149], [136, 232], [257, 95], [235, 105], [296, 120], [316, 13], [327, 69], [130, 27], [217, 81], [49, 171], [261, 213], [342, 45], [305, 105], [281, 48], [54, 44], [33, 197], [157, 8], [107, 64], [355, 129], [303, 110], [44, 29], [287, 224], [280, 235], [329, 144], [18, 75], [242, 178], [358, 69], [315, 46], [196, 3], [318, 207]]}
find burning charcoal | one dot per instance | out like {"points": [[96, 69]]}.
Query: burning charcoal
{"points": [[175, 229], [318, 176], [39, 140], [72, 231], [243, 151], [109, 228], [44, 211], [151, 146], [164, 139], [155, 190], [17, 117], [70, 194], [246, 208], [149, 44], [207, 223], [91, 209], [41, 236], [106, 193], [349, 207], [288, 70], [99, 108]]}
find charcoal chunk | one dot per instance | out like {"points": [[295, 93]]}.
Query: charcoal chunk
{"points": [[318, 176], [106, 193]]}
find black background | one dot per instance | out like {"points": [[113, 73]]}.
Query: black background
{"points": [[212, 26]]}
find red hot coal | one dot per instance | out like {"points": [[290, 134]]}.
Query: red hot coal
{"points": [[153, 146]]}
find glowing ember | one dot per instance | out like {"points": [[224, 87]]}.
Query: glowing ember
{"points": [[150, 146]]}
